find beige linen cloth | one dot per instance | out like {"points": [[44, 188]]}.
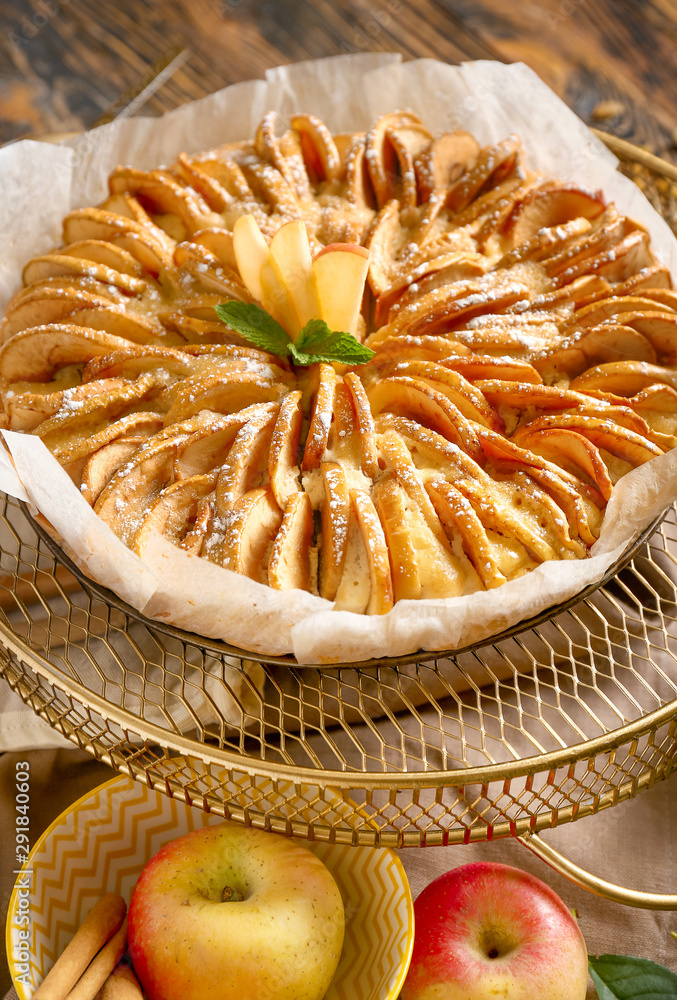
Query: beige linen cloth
{"points": [[634, 844]]}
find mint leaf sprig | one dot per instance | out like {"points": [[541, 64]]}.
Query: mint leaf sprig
{"points": [[316, 342], [622, 977]]}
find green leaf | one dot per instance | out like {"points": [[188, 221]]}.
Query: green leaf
{"points": [[255, 325], [621, 977], [316, 342]]}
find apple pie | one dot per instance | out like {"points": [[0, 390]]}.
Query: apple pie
{"points": [[524, 359]]}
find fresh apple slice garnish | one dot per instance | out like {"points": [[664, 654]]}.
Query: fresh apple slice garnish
{"points": [[251, 253], [293, 288], [291, 257], [340, 271], [276, 299]]}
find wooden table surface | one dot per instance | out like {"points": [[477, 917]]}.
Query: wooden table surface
{"points": [[64, 63]]}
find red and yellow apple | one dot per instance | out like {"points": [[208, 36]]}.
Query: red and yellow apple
{"points": [[233, 913], [487, 930]]}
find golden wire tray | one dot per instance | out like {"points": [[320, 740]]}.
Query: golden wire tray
{"points": [[539, 728], [558, 719]]}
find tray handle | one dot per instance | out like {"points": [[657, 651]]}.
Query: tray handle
{"points": [[579, 876]]}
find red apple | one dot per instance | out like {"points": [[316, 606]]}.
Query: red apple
{"points": [[486, 930], [233, 913]]}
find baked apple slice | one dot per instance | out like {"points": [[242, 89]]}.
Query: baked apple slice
{"points": [[397, 456], [320, 155], [408, 140], [421, 401], [335, 515], [34, 355], [385, 241], [285, 154], [224, 392], [100, 224], [246, 463], [444, 160], [213, 193], [550, 207], [458, 517], [357, 184], [343, 443], [167, 196], [67, 432], [70, 444], [571, 451], [476, 367], [135, 487], [136, 360], [607, 434], [381, 592], [428, 449], [283, 468], [624, 378], [289, 564], [390, 502], [49, 304], [55, 265], [658, 328], [469, 400], [581, 504], [609, 308], [101, 466], [492, 161], [211, 436], [252, 525], [380, 154], [174, 512], [365, 425], [320, 421], [354, 590]]}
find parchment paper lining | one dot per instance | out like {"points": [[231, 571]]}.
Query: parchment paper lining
{"points": [[43, 183]]}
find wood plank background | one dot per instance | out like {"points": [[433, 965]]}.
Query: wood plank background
{"points": [[63, 63]]}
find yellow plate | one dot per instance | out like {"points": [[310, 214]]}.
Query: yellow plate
{"points": [[101, 843]]}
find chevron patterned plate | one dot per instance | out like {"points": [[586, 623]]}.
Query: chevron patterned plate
{"points": [[102, 842]]}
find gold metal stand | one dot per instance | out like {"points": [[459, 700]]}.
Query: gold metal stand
{"points": [[600, 887], [541, 727]]}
